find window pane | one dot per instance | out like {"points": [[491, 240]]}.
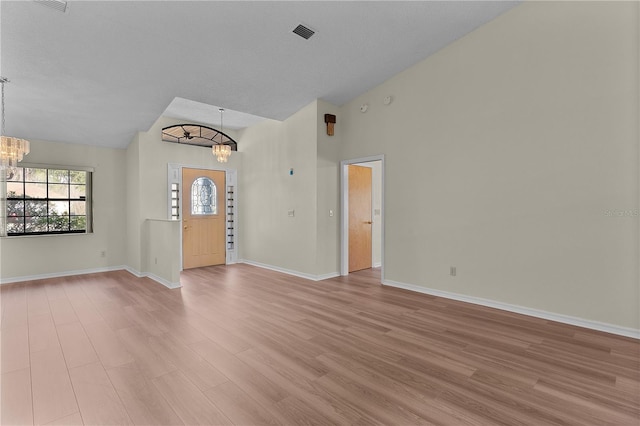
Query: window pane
{"points": [[36, 224], [35, 208], [78, 177], [17, 175], [16, 226], [15, 189], [15, 208], [57, 190], [35, 175], [203, 197], [78, 208], [58, 223], [35, 190], [78, 191], [58, 207], [78, 223], [58, 176]]}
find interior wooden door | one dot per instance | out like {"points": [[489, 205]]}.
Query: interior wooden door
{"points": [[360, 223], [203, 218]]}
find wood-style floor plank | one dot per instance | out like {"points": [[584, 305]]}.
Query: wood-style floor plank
{"points": [[193, 366], [151, 363], [13, 303], [14, 342], [188, 402], [53, 396], [16, 406], [76, 346], [71, 420], [98, 401], [239, 407], [43, 334], [62, 310], [111, 351], [251, 381], [143, 402], [248, 346]]}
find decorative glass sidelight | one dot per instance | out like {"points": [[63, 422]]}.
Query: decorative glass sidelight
{"points": [[203, 197], [230, 217]]}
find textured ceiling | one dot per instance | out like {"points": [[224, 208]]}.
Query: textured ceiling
{"points": [[103, 70]]}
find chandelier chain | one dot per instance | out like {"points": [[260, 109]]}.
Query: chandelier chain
{"points": [[3, 81], [12, 149]]}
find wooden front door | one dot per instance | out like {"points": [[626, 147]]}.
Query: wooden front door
{"points": [[360, 223], [203, 218]]}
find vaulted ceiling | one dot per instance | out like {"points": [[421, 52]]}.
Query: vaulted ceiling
{"points": [[103, 70]]}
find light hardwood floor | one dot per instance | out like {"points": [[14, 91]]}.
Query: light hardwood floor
{"points": [[247, 346]]}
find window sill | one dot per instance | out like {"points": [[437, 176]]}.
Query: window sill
{"points": [[74, 234]]}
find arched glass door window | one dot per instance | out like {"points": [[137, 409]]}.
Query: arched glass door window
{"points": [[204, 197]]}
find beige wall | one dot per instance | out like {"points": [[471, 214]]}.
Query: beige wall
{"points": [[54, 254], [328, 195], [134, 230], [509, 146], [270, 149]]}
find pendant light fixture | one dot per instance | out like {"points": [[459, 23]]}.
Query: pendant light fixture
{"points": [[221, 151], [12, 150]]}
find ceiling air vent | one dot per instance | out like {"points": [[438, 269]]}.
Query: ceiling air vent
{"points": [[58, 5], [304, 32]]}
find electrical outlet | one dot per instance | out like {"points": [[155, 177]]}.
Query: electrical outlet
{"points": [[103, 253], [291, 213], [330, 213], [453, 271]]}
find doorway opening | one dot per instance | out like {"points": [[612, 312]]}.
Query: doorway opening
{"points": [[362, 218]]}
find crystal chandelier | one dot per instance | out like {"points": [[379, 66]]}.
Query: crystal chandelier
{"points": [[12, 149], [222, 152]]}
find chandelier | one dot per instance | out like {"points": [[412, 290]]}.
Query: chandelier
{"points": [[12, 149], [222, 152]]}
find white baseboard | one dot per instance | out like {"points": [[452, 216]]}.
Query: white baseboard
{"points": [[566, 319], [90, 271], [377, 265], [164, 282], [60, 274], [132, 271], [291, 272], [154, 277], [326, 276]]}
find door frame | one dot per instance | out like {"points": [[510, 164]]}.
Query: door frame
{"points": [[344, 216], [174, 175]]}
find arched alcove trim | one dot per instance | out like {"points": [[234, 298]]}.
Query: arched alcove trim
{"points": [[197, 135]]}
